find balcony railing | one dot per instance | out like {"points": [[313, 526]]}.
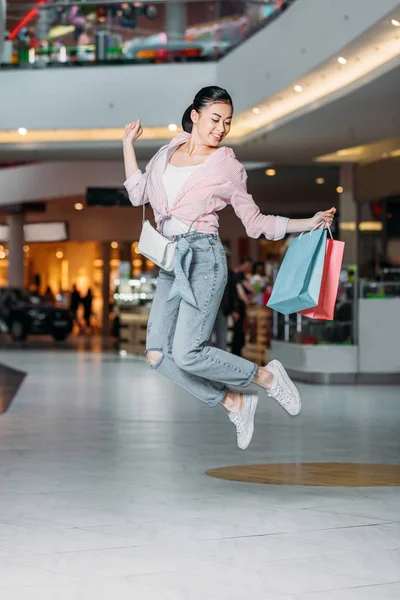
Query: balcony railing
{"points": [[55, 34]]}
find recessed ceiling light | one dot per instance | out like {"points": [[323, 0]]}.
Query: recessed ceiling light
{"points": [[114, 244], [339, 189], [78, 206], [25, 248], [320, 180], [256, 111], [395, 22], [342, 60], [22, 131], [59, 254], [173, 127], [270, 172], [298, 88]]}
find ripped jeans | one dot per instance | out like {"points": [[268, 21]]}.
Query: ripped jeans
{"points": [[182, 318]]}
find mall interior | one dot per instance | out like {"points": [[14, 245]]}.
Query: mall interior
{"points": [[114, 481]]}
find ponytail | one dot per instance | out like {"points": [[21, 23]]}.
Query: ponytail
{"points": [[187, 123]]}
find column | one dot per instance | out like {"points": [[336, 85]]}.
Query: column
{"points": [[3, 12], [175, 20], [125, 254], [105, 287], [15, 251], [349, 212], [349, 233]]}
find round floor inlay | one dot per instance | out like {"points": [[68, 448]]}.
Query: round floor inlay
{"points": [[316, 474]]}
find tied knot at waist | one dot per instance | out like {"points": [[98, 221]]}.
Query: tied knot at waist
{"points": [[183, 259]]}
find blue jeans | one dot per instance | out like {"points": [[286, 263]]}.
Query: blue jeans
{"points": [[221, 330], [182, 318]]}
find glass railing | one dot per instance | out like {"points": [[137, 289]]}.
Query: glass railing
{"points": [[380, 289], [60, 33], [340, 330]]}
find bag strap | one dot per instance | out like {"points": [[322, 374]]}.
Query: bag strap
{"points": [[317, 227], [145, 185]]}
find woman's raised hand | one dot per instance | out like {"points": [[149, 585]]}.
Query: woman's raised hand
{"points": [[132, 132], [326, 216]]}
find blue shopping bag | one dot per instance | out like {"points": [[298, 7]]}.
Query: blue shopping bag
{"points": [[298, 282]]}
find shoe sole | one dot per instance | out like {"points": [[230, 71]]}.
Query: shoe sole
{"points": [[279, 367], [253, 412]]}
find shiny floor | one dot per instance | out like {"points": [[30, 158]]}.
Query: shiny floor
{"points": [[103, 492]]}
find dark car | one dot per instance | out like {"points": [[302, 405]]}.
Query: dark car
{"points": [[25, 313]]}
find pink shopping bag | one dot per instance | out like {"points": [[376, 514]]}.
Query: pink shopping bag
{"points": [[330, 282]]}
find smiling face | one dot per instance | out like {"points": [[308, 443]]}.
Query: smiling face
{"points": [[213, 123]]}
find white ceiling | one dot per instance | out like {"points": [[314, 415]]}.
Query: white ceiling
{"points": [[365, 115]]}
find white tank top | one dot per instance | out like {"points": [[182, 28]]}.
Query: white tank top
{"points": [[174, 178]]}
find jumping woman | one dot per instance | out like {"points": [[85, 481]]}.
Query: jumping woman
{"points": [[187, 183]]}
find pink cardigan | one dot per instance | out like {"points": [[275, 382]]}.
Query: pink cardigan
{"points": [[221, 180]]}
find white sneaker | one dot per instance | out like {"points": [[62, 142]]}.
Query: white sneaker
{"points": [[283, 389], [243, 419]]}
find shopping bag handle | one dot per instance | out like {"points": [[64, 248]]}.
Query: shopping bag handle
{"points": [[317, 227]]}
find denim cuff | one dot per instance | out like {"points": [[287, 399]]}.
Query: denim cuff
{"points": [[217, 400], [250, 379]]}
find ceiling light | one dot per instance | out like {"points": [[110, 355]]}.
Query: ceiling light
{"points": [[270, 172], [342, 60], [256, 111], [114, 244], [2, 254], [339, 189], [25, 248], [320, 180], [298, 88], [395, 22], [22, 131], [78, 206], [173, 127], [59, 254]]}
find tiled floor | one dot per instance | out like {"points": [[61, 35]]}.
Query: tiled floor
{"points": [[103, 493]]}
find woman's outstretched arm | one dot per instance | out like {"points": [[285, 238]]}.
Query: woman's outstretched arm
{"points": [[132, 132]]}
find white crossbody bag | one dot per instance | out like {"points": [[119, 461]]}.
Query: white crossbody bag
{"points": [[156, 247]]}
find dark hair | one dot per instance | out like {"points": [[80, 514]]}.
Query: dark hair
{"points": [[207, 95], [245, 259], [258, 263]]}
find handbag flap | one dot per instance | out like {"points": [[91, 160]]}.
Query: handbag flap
{"points": [[154, 245]]}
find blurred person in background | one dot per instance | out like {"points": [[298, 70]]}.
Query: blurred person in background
{"points": [[187, 182], [74, 305], [48, 296], [228, 307], [87, 302], [258, 279], [243, 299]]}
